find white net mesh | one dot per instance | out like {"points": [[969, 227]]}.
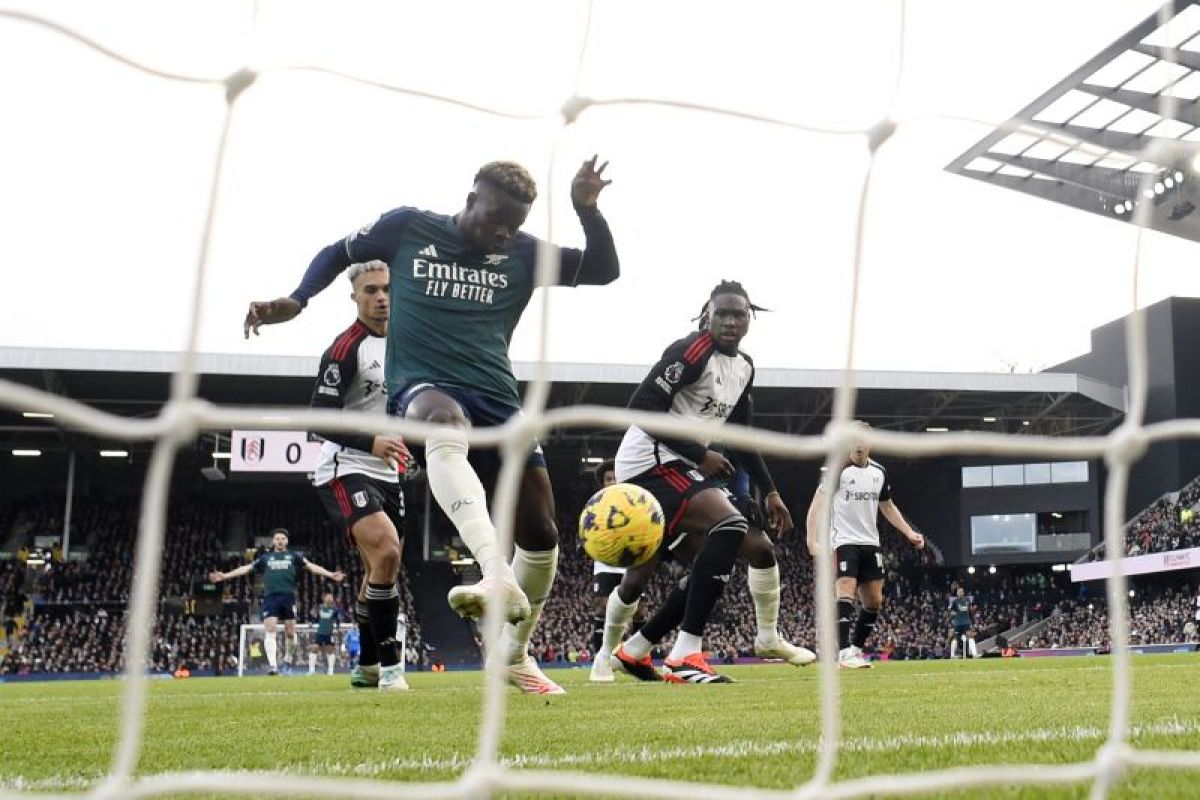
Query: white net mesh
{"points": [[185, 415]]}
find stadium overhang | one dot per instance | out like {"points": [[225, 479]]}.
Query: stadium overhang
{"points": [[795, 401], [1118, 135]]}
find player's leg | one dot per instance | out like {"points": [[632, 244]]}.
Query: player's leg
{"points": [[365, 674], [270, 625], [709, 510], [330, 658], [622, 603], [954, 644], [763, 583], [460, 493], [313, 649], [604, 586], [380, 546], [846, 589], [972, 651], [870, 594], [289, 634], [534, 564]]}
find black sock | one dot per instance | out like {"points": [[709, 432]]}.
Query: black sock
{"points": [[845, 612], [865, 626], [637, 625], [368, 655], [664, 620], [597, 632], [711, 572], [383, 606]]}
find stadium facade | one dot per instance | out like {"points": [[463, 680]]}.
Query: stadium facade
{"points": [[979, 510]]}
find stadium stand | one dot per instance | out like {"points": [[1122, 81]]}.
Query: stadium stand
{"points": [[69, 617]]}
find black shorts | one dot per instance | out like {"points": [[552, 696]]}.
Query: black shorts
{"points": [[674, 484], [961, 630], [351, 497], [324, 639], [279, 605], [603, 583], [863, 562]]}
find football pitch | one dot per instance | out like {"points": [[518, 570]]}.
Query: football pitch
{"points": [[760, 731]]}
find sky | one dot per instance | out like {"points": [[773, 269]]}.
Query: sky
{"points": [[105, 171]]}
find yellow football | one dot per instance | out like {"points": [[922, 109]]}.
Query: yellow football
{"points": [[622, 525]]}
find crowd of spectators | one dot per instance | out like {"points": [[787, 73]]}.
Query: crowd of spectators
{"points": [[1170, 523], [74, 620], [1158, 614]]}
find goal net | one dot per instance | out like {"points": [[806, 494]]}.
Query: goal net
{"points": [[837, 130], [252, 656]]}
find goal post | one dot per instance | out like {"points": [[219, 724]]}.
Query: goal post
{"points": [[252, 658]]}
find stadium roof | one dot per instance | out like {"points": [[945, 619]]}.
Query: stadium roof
{"points": [[1121, 130], [792, 400]]}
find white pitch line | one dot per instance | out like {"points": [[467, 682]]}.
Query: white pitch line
{"points": [[649, 755]]}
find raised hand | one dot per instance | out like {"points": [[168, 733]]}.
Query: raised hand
{"points": [[588, 183]]}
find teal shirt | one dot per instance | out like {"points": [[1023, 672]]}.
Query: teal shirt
{"points": [[327, 618], [961, 606], [453, 307], [280, 571]]}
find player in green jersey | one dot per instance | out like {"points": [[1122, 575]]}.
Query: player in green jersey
{"points": [[960, 608], [280, 567], [459, 284], [327, 622]]}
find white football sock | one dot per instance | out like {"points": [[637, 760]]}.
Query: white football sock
{"points": [[332, 657], [458, 491], [534, 571], [764, 590], [616, 619], [685, 644], [312, 663], [971, 651], [637, 646], [269, 646], [954, 647]]}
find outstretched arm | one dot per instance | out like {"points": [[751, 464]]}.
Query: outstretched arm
{"points": [[374, 241], [317, 569], [216, 576], [893, 515], [328, 264]]}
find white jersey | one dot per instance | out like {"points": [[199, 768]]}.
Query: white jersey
{"points": [[855, 504], [692, 380], [351, 378]]}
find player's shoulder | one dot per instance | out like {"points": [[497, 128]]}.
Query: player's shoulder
{"points": [[693, 349], [873, 463], [393, 222], [346, 344]]}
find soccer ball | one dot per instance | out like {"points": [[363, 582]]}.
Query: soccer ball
{"points": [[622, 525]]}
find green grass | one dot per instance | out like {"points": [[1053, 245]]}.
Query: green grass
{"points": [[761, 731]]}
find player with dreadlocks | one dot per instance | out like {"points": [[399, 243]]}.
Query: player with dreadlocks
{"points": [[703, 376]]}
